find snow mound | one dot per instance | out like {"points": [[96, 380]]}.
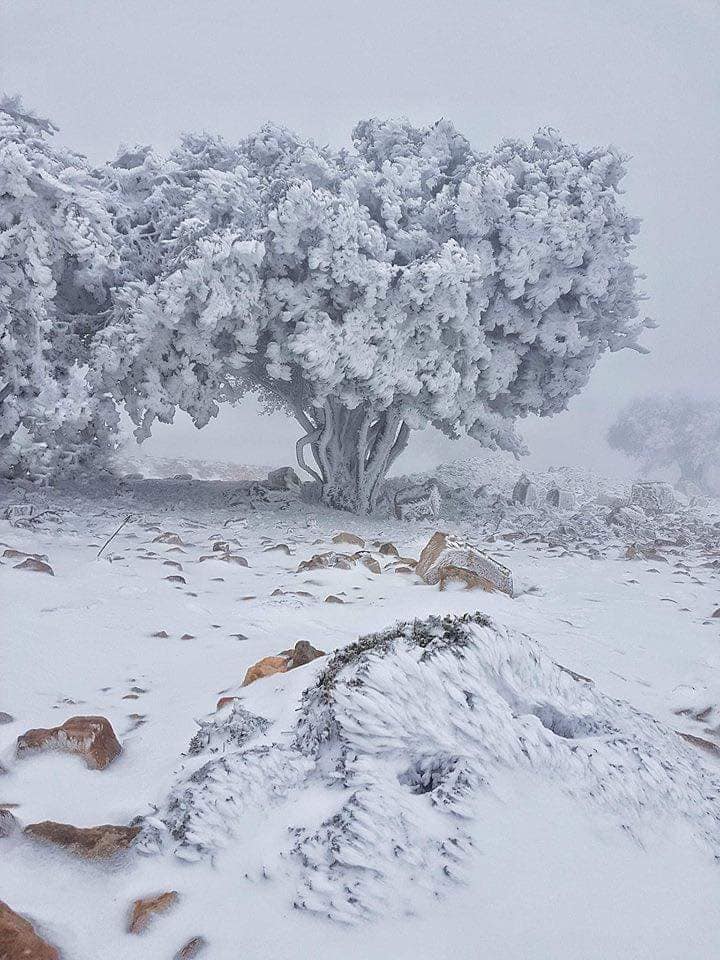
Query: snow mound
{"points": [[407, 732]]}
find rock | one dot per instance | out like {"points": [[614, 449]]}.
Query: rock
{"points": [[367, 560], [448, 558], [12, 554], [707, 746], [224, 702], [182, 476], [144, 909], [175, 578], [221, 546], [8, 823], [351, 538], [278, 548], [560, 499], [91, 737], [303, 652], [172, 538], [388, 550], [716, 615], [323, 561], [226, 558], [331, 598], [18, 939], [653, 497], [36, 566], [191, 949], [284, 478], [5, 717], [265, 668], [90, 843], [525, 492], [420, 501]]}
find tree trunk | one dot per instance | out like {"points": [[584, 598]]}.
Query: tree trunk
{"points": [[353, 451]]}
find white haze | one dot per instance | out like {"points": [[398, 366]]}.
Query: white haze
{"points": [[642, 74]]}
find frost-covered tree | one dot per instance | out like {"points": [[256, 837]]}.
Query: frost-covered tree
{"points": [[408, 281], [56, 256], [671, 431]]}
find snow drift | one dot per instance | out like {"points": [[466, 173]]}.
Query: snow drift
{"points": [[405, 734]]}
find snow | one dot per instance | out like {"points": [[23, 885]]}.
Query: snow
{"points": [[572, 819]]}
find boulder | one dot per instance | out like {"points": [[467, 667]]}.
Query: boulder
{"points": [[91, 737], [90, 843], [419, 501], [653, 497], [388, 550], [560, 499], [5, 717], [265, 668], [303, 652], [19, 941], [525, 492], [449, 558], [351, 538], [146, 908], [284, 478]]}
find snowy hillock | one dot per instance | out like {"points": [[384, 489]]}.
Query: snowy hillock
{"points": [[402, 743], [160, 468], [499, 471]]}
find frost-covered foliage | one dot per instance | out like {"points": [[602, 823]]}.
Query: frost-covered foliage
{"points": [[674, 430], [410, 280], [56, 256], [409, 732]]}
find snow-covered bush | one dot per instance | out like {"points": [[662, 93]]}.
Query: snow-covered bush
{"points": [[671, 431], [404, 740], [369, 292], [56, 257]]}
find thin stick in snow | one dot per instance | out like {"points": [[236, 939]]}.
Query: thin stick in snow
{"points": [[112, 537]]}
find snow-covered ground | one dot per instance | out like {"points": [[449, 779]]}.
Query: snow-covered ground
{"points": [[513, 787]]}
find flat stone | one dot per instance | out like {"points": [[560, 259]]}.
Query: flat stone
{"points": [[89, 843]]}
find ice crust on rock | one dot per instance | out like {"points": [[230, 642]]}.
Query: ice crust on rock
{"points": [[406, 732]]}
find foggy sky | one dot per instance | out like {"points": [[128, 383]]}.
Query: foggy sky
{"points": [[642, 74]]}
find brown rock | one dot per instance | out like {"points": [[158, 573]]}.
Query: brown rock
{"points": [[323, 561], [367, 560], [278, 548], [444, 556], [224, 701], [265, 668], [35, 566], [90, 843], [173, 538], [12, 554], [92, 737], [302, 653], [144, 909], [471, 580], [331, 598], [18, 939], [192, 949], [351, 538], [702, 744], [388, 550]]}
